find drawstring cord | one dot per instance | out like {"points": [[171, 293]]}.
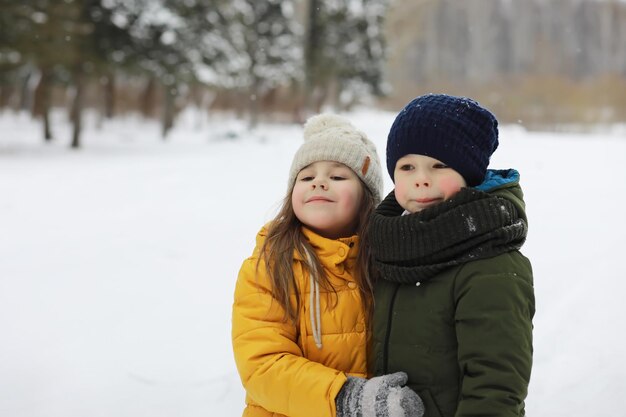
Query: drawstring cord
{"points": [[314, 302], [316, 324]]}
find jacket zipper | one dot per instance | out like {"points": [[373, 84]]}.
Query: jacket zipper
{"points": [[388, 332]]}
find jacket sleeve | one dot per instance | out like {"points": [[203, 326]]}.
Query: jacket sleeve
{"points": [[494, 332], [270, 362]]}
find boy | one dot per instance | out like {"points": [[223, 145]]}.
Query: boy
{"points": [[454, 301]]}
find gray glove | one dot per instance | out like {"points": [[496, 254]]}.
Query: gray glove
{"points": [[382, 396]]}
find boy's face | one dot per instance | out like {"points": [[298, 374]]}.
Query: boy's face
{"points": [[326, 198], [422, 181]]}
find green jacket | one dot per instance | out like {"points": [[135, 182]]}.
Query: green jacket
{"points": [[457, 321]]}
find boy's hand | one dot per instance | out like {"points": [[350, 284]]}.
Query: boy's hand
{"points": [[379, 396]]}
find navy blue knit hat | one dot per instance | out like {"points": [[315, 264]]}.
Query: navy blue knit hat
{"points": [[455, 130]]}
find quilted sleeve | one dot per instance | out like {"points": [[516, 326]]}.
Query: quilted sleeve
{"points": [[495, 307], [270, 362]]}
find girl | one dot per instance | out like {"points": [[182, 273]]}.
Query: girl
{"points": [[302, 299]]}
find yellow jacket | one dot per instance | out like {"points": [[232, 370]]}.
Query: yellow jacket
{"points": [[281, 368]]}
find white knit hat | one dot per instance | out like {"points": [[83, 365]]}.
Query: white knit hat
{"points": [[328, 137]]}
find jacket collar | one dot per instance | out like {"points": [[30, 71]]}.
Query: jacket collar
{"points": [[331, 252], [499, 178]]}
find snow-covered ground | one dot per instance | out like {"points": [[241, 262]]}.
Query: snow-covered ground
{"points": [[118, 263]]}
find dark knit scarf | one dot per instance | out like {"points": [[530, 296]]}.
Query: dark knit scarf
{"points": [[471, 225]]}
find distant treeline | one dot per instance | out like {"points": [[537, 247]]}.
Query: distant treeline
{"points": [[543, 62], [537, 62]]}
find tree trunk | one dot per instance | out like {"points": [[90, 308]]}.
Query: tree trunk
{"points": [[41, 104], [311, 48], [25, 93], [77, 108], [168, 111], [109, 96], [148, 98], [253, 104], [5, 93], [47, 131]]}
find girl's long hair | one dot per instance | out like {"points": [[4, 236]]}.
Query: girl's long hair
{"points": [[284, 237]]}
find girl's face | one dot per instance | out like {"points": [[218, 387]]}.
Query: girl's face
{"points": [[326, 198], [422, 181]]}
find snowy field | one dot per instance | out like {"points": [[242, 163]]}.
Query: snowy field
{"points": [[118, 263]]}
